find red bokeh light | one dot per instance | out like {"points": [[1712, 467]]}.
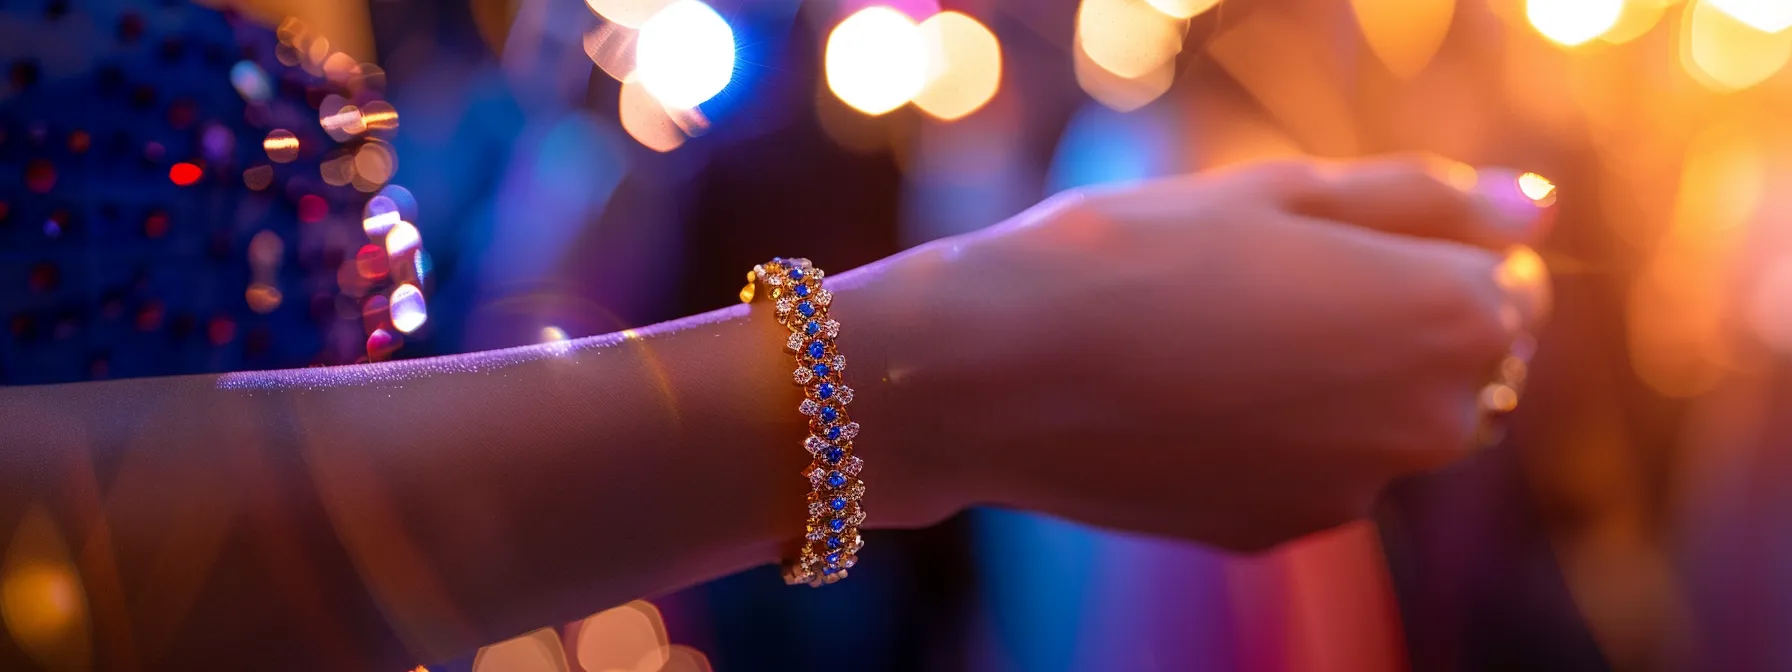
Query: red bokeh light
{"points": [[185, 174], [312, 208]]}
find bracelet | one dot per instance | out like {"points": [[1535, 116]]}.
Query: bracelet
{"points": [[831, 541]]}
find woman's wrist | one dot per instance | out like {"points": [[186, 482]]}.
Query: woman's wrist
{"points": [[890, 337]]}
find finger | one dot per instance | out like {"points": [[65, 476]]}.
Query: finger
{"points": [[1429, 197]]}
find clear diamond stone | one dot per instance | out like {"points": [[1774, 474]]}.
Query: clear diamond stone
{"points": [[803, 376], [814, 444], [857, 518], [816, 273], [823, 297], [856, 490], [808, 407], [848, 561], [815, 508], [832, 328], [845, 395], [815, 534], [774, 280], [795, 342], [854, 465], [850, 430], [816, 476], [839, 362], [857, 543]]}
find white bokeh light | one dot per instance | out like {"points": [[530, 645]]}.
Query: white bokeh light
{"points": [[685, 54], [408, 309], [876, 60]]}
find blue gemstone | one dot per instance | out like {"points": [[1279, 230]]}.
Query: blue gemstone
{"points": [[801, 291], [836, 479], [835, 542], [838, 503], [817, 350], [821, 370], [837, 524], [806, 308], [824, 390], [833, 433], [834, 454], [829, 415], [831, 570], [811, 328], [834, 558], [796, 274]]}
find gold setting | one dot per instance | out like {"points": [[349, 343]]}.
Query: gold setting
{"points": [[831, 539]]}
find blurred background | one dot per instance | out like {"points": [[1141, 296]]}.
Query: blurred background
{"points": [[224, 186]]}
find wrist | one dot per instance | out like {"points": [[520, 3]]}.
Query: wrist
{"points": [[888, 336]]}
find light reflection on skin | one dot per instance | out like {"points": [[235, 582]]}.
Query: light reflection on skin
{"points": [[491, 361]]}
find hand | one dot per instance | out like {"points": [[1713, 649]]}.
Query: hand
{"points": [[1238, 359]]}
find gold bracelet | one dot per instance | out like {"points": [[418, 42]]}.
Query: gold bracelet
{"points": [[831, 541]]}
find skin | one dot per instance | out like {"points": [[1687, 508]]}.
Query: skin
{"points": [[1235, 359]]}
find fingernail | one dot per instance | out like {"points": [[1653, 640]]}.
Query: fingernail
{"points": [[1520, 201]]}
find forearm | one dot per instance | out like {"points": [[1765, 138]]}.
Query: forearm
{"points": [[474, 497]]}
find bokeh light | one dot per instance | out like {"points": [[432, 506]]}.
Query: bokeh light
{"points": [[685, 54], [1183, 9], [1121, 94], [1537, 188], [251, 82], [645, 119], [627, 13], [340, 119], [611, 47], [1573, 22], [964, 65], [402, 239], [1639, 17], [262, 298], [538, 651], [375, 162], [281, 145], [408, 309], [876, 60], [185, 174], [552, 334], [379, 115], [1127, 37], [630, 637], [1769, 16], [42, 599], [1726, 54]]}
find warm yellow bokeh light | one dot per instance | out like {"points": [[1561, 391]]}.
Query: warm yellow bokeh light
{"points": [[876, 61], [964, 66], [1725, 54], [1121, 94], [630, 637], [1770, 16], [1537, 188], [629, 13], [1572, 22], [645, 119], [1182, 9], [538, 651], [552, 334], [1127, 37], [1639, 17], [1404, 34], [42, 600]]}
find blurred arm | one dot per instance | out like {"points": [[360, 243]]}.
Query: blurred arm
{"points": [[378, 515]]}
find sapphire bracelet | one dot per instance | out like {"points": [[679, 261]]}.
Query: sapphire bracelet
{"points": [[831, 540]]}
